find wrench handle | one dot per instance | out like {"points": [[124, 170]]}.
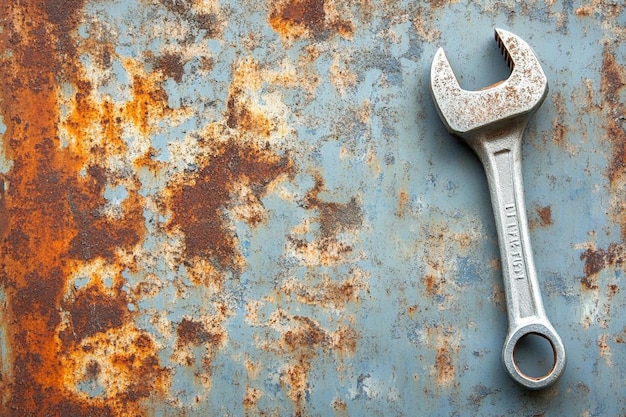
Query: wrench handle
{"points": [[501, 159], [518, 269]]}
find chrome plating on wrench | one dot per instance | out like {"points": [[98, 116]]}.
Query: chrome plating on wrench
{"points": [[492, 122]]}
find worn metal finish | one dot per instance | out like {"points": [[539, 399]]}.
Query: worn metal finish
{"points": [[492, 121], [244, 208]]}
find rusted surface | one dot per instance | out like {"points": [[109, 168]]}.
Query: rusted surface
{"points": [[58, 223], [54, 225], [243, 208]]}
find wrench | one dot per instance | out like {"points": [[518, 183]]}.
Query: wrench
{"points": [[492, 122]]}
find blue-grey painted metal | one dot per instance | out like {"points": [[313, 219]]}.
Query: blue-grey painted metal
{"points": [[362, 280]]}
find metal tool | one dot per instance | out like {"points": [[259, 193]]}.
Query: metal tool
{"points": [[492, 122]]}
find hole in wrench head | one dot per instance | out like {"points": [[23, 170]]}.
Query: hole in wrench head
{"points": [[534, 356]]}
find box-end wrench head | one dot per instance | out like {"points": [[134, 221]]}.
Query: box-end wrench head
{"points": [[492, 122]]}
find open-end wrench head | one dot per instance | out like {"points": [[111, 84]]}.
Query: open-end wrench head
{"points": [[466, 112]]}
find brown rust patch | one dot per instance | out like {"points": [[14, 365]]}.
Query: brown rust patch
{"points": [[559, 129], [334, 217], [338, 224], [99, 235], [612, 290], [436, 4], [206, 332], [197, 201], [306, 335], [608, 9], [171, 65], [191, 332], [199, 14], [613, 110], [241, 116], [339, 405], [598, 259], [93, 311], [328, 293], [613, 80], [315, 18], [304, 340]]}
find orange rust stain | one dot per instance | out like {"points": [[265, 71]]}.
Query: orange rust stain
{"points": [[431, 284], [148, 104], [545, 215], [95, 126], [252, 397], [197, 202], [444, 365], [444, 368], [403, 199], [298, 18], [53, 222], [112, 360]]}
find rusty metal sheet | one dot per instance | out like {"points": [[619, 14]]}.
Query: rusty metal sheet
{"points": [[214, 207]]}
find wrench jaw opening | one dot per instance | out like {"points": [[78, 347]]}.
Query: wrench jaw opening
{"points": [[545, 330], [467, 113]]}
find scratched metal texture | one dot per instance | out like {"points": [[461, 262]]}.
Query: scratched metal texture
{"points": [[249, 208]]}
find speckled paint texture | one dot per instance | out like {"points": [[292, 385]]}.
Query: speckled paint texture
{"points": [[251, 208]]}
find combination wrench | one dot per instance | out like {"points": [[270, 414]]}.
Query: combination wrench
{"points": [[492, 122]]}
